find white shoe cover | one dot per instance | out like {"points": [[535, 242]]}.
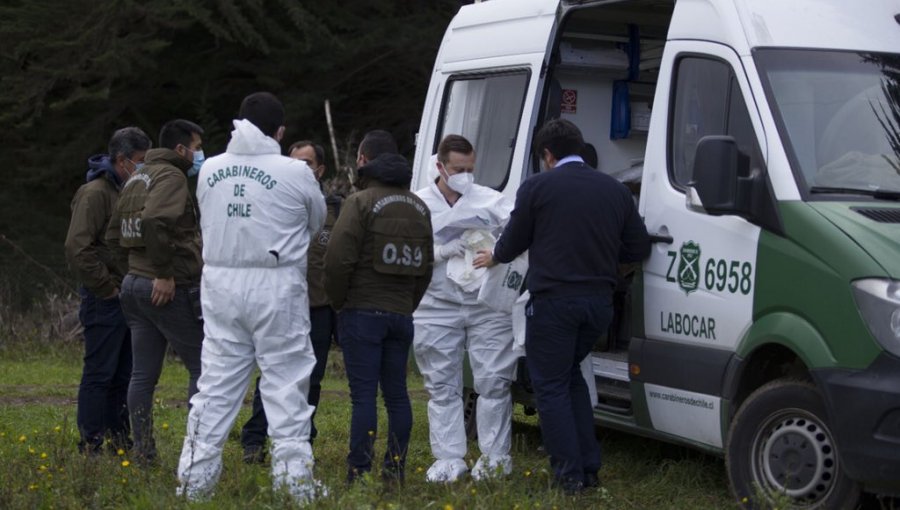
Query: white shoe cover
{"points": [[446, 470], [492, 467]]}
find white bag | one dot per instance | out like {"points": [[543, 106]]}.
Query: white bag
{"points": [[518, 323], [503, 284]]}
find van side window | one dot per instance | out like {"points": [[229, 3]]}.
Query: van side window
{"points": [[708, 101], [486, 109]]}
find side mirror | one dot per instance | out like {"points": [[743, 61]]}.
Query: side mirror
{"points": [[723, 183], [717, 165]]}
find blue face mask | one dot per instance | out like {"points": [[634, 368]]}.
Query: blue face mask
{"points": [[199, 158]]}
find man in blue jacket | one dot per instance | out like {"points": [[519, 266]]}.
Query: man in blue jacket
{"points": [[577, 224]]}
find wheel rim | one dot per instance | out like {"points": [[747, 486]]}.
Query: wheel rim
{"points": [[794, 455]]}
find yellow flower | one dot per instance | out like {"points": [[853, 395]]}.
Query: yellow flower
{"points": [[125, 463], [57, 428], [371, 433], [2, 434], [419, 469], [448, 506], [527, 473], [43, 455], [396, 458], [745, 500], [32, 487], [124, 481], [165, 426], [42, 468], [120, 452], [473, 491], [22, 438], [31, 450]]}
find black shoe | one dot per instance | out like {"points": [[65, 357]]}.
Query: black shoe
{"points": [[569, 486], [254, 454], [392, 477], [591, 480], [356, 475]]}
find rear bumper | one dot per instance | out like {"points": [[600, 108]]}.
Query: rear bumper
{"points": [[864, 412]]}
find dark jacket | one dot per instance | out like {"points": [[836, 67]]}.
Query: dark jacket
{"points": [[577, 224], [315, 265], [155, 221], [87, 253], [380, 255]]}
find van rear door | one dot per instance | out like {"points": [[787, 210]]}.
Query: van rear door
{"points": [[485, 84]]}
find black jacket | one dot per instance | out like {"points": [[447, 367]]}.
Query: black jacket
{"points": [[577, 224]]}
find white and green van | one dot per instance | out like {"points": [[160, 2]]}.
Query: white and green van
{"points": [[762, 140]]}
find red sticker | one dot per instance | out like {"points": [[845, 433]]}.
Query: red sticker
{"points": [[569, 101]]}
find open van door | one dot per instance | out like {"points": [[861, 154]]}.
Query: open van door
{"points": [[487, 76]]}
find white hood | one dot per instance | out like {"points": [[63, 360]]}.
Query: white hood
{"points": [[248, 139]]}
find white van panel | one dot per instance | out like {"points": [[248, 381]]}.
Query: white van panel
{"points": [[486, 30]]}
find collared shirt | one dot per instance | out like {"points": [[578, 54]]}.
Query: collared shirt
{"points": [[568, 159]]}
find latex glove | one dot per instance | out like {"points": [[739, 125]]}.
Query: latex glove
{"points": [[454, 248]]}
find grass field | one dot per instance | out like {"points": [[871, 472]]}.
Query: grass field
{"points": [[40, 466]]}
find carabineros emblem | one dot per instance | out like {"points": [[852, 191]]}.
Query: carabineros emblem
{"points": [[689, 267]]}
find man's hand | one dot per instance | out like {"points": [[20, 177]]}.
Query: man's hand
{"points": [[163, 291], [485, 258]]}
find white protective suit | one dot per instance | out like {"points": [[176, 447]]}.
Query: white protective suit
{"points": [[258, 210], [448, 322]]}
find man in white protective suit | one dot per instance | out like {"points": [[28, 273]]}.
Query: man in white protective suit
{"points": [[258, 210], [450, 321]]}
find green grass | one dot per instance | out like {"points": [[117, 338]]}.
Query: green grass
{"points": [[41, 468]]}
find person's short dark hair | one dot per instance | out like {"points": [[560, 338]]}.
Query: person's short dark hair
{"points": [[453, 143], [589, 155], [127, 141], [376, 143], [178, 132], [264, 110], [317, 148], [559, 136]]}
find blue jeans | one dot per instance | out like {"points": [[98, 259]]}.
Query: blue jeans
{"points": [[102, 394], [376, 348], [321, 322], [560, 332]]}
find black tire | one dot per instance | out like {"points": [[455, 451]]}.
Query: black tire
{"points": [[469, 399], [780, 445]]}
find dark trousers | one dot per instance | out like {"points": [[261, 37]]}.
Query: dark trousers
{"points": [[376, 348], [321, 329], [559, 334], [153, 329], [102, 394]]}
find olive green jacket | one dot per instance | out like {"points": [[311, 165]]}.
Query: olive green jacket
{"points": [[87, 253], [381, 253], [156, 221], [315, 265]]}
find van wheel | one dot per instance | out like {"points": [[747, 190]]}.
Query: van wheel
{"points": [[469, 399], [780, 446]]}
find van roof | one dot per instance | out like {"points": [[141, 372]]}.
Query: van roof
{"points": [[523, 26], [868, 25]]}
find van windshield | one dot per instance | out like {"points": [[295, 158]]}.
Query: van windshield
{"points": [[839, 116]]}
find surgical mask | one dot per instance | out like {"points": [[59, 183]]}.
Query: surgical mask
{"points": [[199, 158], [460, 182], [137, 166]]}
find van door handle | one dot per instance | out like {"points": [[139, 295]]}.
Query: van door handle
{"points": [[661, 238]]}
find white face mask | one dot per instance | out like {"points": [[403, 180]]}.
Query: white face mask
{"points": [[460, 182]]}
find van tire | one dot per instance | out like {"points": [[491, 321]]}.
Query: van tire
{"points": [[791, 412], [471, 426]]}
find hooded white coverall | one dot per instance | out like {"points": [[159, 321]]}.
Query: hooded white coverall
{"points": [[448, 322], [258, 210]]}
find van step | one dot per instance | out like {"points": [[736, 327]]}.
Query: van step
{"points": [[613, 392], [611, 365]]}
